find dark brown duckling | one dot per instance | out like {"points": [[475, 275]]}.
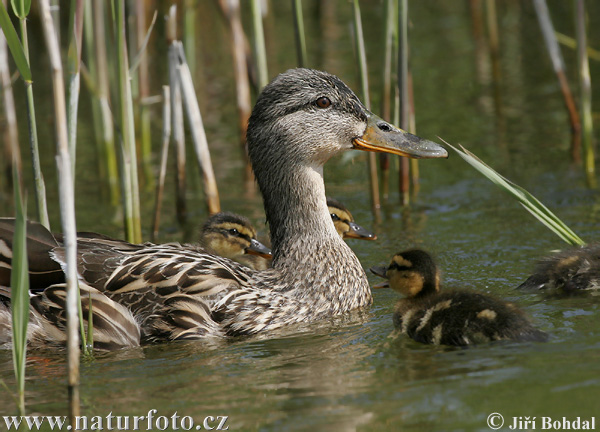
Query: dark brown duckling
{"points": [[571, 271], [344, 222], [233, 236], [452, 317]]}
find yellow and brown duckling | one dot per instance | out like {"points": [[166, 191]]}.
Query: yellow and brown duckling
{"points": [[344, 222], [571, 271], [233, 236], [452, 317]]}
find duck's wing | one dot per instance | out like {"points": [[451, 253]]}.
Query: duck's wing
{"points": [[43, 270]]}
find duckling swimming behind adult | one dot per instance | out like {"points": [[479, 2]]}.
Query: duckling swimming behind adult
{"points": [[344, 222], [571, 271], [453, 317], [232, 236]]}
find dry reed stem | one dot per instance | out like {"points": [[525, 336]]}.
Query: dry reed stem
{"points": [[198, 134], [67, 208]]}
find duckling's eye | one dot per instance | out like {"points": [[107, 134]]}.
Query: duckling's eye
{"points": [[323, 102], [233, 231], [335, 217]]}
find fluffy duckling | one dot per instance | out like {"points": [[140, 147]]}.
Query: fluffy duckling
{"points": [[453, 317], [233, 236], [344, 222], [570, 271]]}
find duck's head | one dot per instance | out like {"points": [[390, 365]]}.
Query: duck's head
{"points": [[344, 222], [232, 236], [413, 273], [306, 116]]}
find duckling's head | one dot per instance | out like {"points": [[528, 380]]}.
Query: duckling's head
{"points": [[344, 222], [306, 116], [413, 273], [232, 236]]}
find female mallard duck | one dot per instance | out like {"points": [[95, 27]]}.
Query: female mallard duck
{"points": [[449, 318], [232, 236], [300, 120], [344, 222], [571, 271]]}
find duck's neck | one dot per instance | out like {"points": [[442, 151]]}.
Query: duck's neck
{"points": [[307, 249]]}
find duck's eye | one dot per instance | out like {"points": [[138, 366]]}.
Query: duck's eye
{"points": [[335, 217], [323, 102], [233, 231]]}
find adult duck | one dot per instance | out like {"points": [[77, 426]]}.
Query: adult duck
{"points": [[300, 120]]}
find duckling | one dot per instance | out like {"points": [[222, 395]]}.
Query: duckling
{"points": [[232, 236], [449, 318], [571, 271], [344, 222]]}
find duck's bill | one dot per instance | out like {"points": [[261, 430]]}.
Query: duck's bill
{"points": [[381, 136], [257, 248], [358, 232], [382, 272]]}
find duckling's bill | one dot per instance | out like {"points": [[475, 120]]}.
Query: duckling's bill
{"points": [[257, 248], [358, 232], [380, 271], [381, 136]]}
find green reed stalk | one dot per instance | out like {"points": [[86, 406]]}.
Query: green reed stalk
{"points": [[299, 32], [95, 38], [10, 132], [585, 84], [19, 283], [558, 64], [189, 33], [231, 10], [359, 43], [528, 201], [130, 177], [67, 206], [144, 91], [177, 116], [166, 137], [21, 10], [386, 92], [198, 134], [260, 49], [74, 62]]}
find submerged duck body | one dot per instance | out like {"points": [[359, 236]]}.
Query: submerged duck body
{"points": [[301, 119], [571, 271], [455, 317]]}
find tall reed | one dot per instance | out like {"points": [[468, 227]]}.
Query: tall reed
{"points": [[585, 84], [361, 57], [231, 11], [129, 160], [67, 207], [19, 283], [10, 132], [21, 10], [177, 132], [166, 137], [558, 64], [73, 68], [260, 49], [198, 134], [95, 44], [386, 91], [404, 181], [299, 32]]}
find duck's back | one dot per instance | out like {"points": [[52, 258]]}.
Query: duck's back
{"points": [[463, 318]]}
